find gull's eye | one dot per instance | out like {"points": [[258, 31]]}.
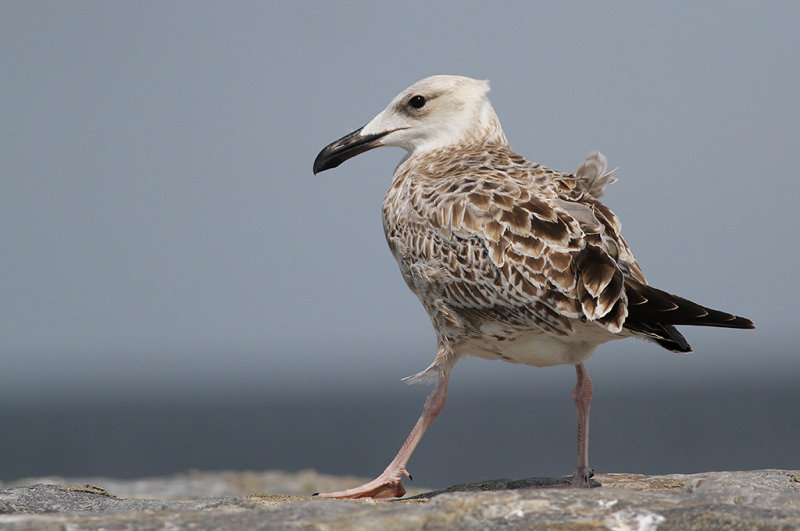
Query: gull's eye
{"points": [[417, 101]]}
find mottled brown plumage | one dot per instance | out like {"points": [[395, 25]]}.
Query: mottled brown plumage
{"points": [[511, 260], [488, 238]]}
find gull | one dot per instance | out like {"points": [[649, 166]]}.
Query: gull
{"points": [[511, 260]]}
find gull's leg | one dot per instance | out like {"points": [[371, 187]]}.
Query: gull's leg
{"points": [[582, 395], [389, 484]]}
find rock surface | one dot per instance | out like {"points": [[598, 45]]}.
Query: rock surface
{"points": [[761, 499]]}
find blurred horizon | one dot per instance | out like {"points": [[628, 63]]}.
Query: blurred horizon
{"points": [[228, 374], [485, 432]]}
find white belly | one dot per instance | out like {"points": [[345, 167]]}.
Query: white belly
{"points": [[537, 348]]}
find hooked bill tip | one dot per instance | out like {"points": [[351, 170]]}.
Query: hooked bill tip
{"points": [[345, 148]]}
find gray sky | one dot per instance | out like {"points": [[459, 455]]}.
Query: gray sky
{"points": [[161, 229]]}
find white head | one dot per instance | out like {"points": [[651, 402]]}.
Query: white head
{"points": [[436, 112]]}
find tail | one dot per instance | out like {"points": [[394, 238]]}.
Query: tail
{"points": [[653, 313]]}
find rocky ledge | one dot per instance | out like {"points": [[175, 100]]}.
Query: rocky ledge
{"points": [[760, 499]]}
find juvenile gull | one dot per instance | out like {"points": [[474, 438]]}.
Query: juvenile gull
{"points": [[511, 260]]}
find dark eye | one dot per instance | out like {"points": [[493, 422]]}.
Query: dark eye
{"points": [[417, 101]]}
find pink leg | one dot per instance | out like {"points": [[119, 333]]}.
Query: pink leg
{"points": [[582, 395], [389, 484]]}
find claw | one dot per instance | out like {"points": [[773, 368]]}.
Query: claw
{"points": [[581, 478], [380, 487]]}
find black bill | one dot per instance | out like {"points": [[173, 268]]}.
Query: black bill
{"points": [[346, 147]]}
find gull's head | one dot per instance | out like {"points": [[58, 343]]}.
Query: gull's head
{"points": [[434, 113]]}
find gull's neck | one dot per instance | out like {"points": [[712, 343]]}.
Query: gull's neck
{"points": [[482, 129]]}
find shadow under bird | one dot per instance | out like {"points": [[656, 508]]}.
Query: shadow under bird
{"points": [[511, 260]]}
